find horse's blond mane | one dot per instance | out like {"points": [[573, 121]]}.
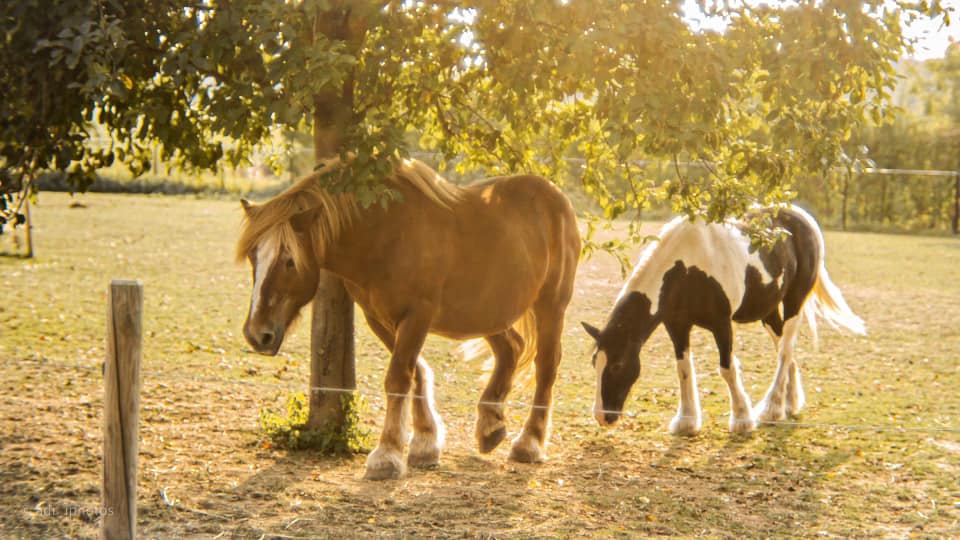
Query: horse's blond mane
{"points": [[335, 211], [426, 180]]}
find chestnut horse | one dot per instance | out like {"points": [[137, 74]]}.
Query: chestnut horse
{"points": [[710, 275], [495, 259]]}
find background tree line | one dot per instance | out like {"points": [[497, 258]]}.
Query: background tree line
{"points": [[924, 135]]}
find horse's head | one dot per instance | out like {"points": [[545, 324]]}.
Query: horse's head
{"points": [[284, 278], [617, 361]]}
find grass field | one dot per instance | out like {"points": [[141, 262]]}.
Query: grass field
{"points": [[876, 453]]}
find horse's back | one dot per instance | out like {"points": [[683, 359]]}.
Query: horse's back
{"points": [[529, 195], [753, 280], [516, 242]]}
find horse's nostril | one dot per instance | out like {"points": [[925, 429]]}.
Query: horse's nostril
{"points": [[266, 339]]}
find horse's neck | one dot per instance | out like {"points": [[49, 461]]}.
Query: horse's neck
{"points": [[350, 254], [633, 318]]}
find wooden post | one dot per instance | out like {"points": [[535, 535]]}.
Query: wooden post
{"points": [[331, 352], [882, 216], [28, 232], [846, 189], [121, 403], [956, 203]]}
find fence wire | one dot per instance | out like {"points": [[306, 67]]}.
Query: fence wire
{"points": [[161, 377]]}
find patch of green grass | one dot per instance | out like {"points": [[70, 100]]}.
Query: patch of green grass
{"points": [[291, 432]]}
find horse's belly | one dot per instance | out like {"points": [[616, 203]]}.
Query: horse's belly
{"points": [[464, 318]]}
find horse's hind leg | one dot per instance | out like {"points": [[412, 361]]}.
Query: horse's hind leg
{"points": [[530, 446], [795, 396], [773, 407], [491, 426], [428, 430]]}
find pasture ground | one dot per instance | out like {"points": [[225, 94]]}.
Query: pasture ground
{"points": [[876, 454]]}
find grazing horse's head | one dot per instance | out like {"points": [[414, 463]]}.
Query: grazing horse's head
{"points": [[617, 356], [284, 275], [618, 366]]}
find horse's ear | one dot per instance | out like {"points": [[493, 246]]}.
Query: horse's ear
{"points": [[247, 206], [592, 330]]}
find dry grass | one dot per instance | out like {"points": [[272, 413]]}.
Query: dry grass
{"points": [[205, 472]]}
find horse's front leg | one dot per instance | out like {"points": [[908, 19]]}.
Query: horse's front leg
{"points": [[741, 414], [428, 430], [688, 419], [428, 427], [386, 460]]}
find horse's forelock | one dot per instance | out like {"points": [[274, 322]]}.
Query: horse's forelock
{"points": [[291, 242]]}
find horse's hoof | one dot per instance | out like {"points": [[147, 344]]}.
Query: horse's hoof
{"points": [[384, 471], [742, 425], [766, 413], [685, 425], [424, 461], [492, 440], [792, 410], [527, 451], [424, 452], [384, 465]]}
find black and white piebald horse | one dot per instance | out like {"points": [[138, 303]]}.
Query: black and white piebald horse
{"points": [[710, 275]]}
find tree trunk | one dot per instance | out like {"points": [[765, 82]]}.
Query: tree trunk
{"points": [[332, 360]]}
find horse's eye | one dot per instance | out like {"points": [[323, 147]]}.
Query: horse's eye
{"points": [[290, 264]]}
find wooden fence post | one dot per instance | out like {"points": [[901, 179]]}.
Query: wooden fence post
{"points": [[956, 203], [121, 403], [28, 231], [846, 191]]}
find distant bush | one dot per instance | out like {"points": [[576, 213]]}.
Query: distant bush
{"points": [[165, 186]]}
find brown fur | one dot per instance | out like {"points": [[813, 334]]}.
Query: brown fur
{"points": [[459, 262]]}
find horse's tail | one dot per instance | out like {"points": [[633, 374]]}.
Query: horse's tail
{"points": [[825, 300], [526, 326], [827, 303]]}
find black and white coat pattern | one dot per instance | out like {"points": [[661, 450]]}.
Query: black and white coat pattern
{"points": [[710, 275]]}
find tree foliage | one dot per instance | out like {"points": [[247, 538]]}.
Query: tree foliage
{"points": [[925, 135], [505, 85]]}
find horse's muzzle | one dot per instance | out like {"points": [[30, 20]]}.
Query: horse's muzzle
{"points": [[606, 418], [264, 341]]}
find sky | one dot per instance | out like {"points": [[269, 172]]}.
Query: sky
{"points": [[933, 36]]}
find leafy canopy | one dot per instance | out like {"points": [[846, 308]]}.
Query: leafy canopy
{"points": [[505, 85]]}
